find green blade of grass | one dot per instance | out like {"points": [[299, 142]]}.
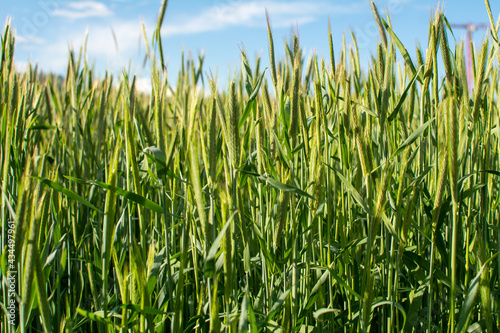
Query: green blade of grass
{"points": [[404, 51], [210, 259], [470, 298], [413, 136], [284, 187], [396, 110], [155, 155], [138, 199], [355, 194], [70, 194]]}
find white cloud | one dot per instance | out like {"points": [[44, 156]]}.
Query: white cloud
{"points": [[83, 9], [22, 66], [53, 56], [101, 49], [29, 40], [143, 85], [252, 14]]}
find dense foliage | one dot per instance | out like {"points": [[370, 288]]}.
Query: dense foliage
{"points": [[307, 196]]}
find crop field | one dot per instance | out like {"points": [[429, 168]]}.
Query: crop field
{"points": [[304, 195]]}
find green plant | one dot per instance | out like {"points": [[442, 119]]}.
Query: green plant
{"points": [[309, 197]]}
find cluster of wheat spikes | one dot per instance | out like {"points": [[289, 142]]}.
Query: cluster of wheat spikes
{"points": [[307, 197]]}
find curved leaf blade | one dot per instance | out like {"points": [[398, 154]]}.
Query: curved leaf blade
{"points": [[70, 194], [138, 199]]}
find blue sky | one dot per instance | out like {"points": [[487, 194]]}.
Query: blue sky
{"points": [[218, 28]]}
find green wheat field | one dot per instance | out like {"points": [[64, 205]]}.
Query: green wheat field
{"points": [[308, 196]]}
